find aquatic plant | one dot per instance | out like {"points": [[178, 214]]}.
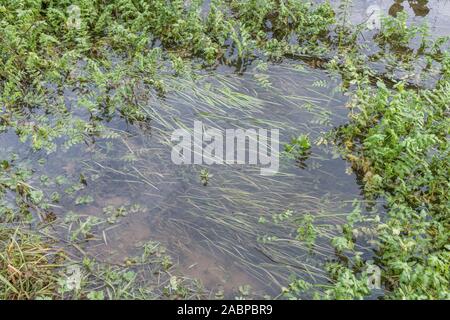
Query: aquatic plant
{"points": [[299, 145], [402, 155], [397, 143], [113, 59]]}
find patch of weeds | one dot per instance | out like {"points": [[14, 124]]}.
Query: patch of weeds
{"points": [[28, 265], [115, 213], [298, 146], [306, 230], [205, 176], [398, 144], [86, 199], [299, 149], [81, 228]]}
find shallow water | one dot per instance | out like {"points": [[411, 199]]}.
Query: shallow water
{"points": [[215, 232]]}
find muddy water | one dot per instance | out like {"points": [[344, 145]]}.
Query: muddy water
{"points": [[222, 233]]}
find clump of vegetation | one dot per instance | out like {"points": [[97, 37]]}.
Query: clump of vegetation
{"points": [[28, 265], [298, 146], [205, 176], [398, 143], [114, 214], [32, 267]]}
